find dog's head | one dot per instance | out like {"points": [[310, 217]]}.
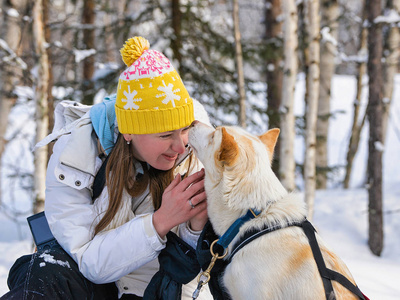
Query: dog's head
{"points": [[237, 165]]}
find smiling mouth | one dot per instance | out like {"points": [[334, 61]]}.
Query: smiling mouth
{"points": [[169, 157]]}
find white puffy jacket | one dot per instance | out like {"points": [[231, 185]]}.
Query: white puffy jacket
{"points": [[126, 251]]}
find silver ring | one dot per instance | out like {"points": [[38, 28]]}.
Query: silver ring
{"points": [[191, 204]]}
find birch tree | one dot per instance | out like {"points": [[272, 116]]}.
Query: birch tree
{"points": [[375, 114], [12, 64], [50, 98], [287, 165], [40, 156], [273, 35], [312, 27], [328, 50], [358, 121], [390, 67], [239, 64]]}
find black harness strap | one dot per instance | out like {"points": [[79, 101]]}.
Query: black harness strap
{"points": [[346, 283], [309, 230], [326, 274], [255, 233], [99, 180]]}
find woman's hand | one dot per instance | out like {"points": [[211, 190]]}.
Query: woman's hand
{"points": [[200, 219], [176, 208]]}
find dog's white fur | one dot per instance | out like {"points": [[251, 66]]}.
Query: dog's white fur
{"points": [[278, 265]]}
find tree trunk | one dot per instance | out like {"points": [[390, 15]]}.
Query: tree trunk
{"points": [[109, 35], [50, 98], [313, 25], [176, 40], [329, 24], [375, 113], [273, 35], [239, 65], [41, 92], [287, 166], [390, 67], [88, 17], [357, 123], [10, 72]]}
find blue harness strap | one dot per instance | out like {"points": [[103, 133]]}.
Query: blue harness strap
{"points": [[233, 230]]}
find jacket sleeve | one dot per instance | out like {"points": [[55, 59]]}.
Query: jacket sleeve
{"points": [[107, 256]]}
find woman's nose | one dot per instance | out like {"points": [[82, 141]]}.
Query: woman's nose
{"points": [[178, 145]]}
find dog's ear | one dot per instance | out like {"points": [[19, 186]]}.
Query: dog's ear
{"points": [[229, 148], [269, 139]]}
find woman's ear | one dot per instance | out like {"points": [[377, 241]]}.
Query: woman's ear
{"points": [[127, 137]]}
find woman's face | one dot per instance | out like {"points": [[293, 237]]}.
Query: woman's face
{"points": [[160, 150]]}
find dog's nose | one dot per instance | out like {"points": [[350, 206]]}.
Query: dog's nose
{"points": [[194, 123]]}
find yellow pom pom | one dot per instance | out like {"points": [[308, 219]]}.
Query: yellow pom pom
{"points": [[133, 49]]}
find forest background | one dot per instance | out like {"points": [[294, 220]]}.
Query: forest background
{"points": [[226, 52]]}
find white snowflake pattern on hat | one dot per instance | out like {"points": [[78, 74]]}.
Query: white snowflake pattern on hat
{"points": [[169, 93], [130, 99]]}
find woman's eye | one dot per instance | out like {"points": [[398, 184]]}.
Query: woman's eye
{"points": [[165, 136]]}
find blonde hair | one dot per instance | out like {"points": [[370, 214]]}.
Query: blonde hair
{"points": [[121, 174]]}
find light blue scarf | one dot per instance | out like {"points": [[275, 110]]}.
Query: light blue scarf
{"points": [[103, 120]]}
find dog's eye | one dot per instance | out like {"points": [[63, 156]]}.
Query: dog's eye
{"points": [[211, 139]]}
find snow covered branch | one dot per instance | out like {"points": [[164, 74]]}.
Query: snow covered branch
{"points": [[391, 17], [12, 56]]}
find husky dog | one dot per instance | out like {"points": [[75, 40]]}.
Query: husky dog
{"points": [[238, 177]]}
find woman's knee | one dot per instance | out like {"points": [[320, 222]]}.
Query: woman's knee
{"points": [[53, 274], [18, 271], [55, 270], [47, 273]]}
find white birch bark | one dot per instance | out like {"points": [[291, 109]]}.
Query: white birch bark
{"points": [[239, 65], [10, 72], [40, 156], [312, 25], [287, 163], [390, 66], [328, 50]]}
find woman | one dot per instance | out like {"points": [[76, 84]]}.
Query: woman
{"points": [[153, 186]]}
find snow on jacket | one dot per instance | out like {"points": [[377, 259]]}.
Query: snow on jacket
{"points": [[126, 251]]}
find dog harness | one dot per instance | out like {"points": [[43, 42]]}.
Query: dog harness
{"points": [[327, 275], [223, 242], [221, 245]]}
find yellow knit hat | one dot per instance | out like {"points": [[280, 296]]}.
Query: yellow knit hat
{"points": [[151, 97]]}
